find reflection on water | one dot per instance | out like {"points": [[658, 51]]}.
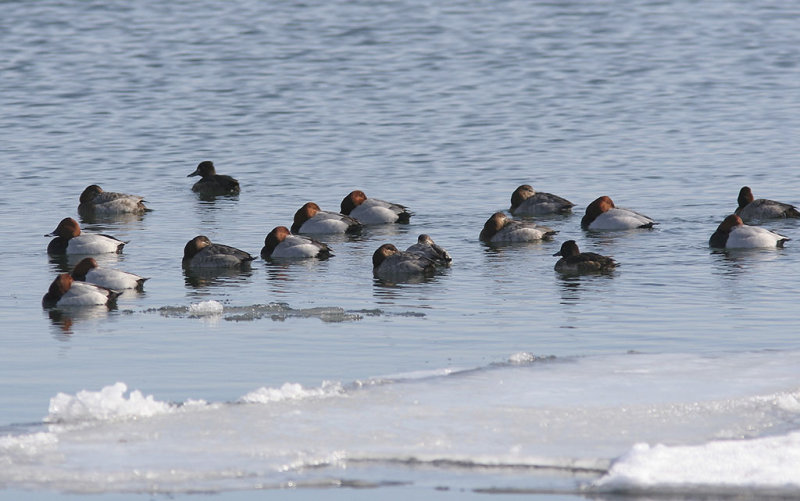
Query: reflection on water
{"points": [[725, 264], [200, 278], [208, 200], [499, 248], [132, 294], [278, 273], [212, 211], [390, 290], [609, 238], [61, 263], [732, 262], [749, 255], [388, 293], [97, 220], [394, 280], [64, 263], [570, 288], [281, 271], [379, 231], [63, 319], [574, 286]]}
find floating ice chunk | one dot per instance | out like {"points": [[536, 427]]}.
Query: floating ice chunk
{"points": [[769, 462], [522, 358], [788, 402], [292, 391], [203, 308], [108, 403]]}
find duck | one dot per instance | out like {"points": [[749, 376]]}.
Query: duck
{"points": [[372, 210], [94, 200], [311, 219], [602, 214], [70, 240], [427, 248], [525, 201], [65, 291], [501, 228], [732, 233], [389, 261], [87, 270], [761, 208], [212, 183], [573, 261], [280, 244], [199, 252]]}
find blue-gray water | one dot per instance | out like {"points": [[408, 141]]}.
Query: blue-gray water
{"points": [[667, 107]]}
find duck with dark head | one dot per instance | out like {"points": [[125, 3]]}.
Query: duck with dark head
{"points": [[211, 183]]}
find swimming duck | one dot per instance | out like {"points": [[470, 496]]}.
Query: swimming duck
{"points": [[199, 252], [372, 210], [280, 243], [574, 261], [87, 270], [527, 202], [388, 261], [762, 208], [732, 233], [602, 214], [427, 248], [500, 228], [212, 183], [311, 219], [64, 291], [70, 240], [96, 201]]}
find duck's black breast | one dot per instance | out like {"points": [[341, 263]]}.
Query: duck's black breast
{"points": [[718, 240], [58, 245]]}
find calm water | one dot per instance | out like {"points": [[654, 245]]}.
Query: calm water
{"points": [[494, 376]]}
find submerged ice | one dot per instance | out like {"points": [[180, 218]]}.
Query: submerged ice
{"points": [[627, 422], [212, 309]]}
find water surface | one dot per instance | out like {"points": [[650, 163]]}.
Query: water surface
{"points": [[669, 108]]}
